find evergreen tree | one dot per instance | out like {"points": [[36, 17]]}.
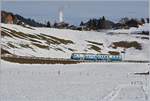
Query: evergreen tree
{"points": [[124, 20], [48, 24], [132, 23], [99, 23], [147, 20], [102, 24], [94, 24], [55, 25], [142, 20], [89, 23], [103, 18], [81, 24]]}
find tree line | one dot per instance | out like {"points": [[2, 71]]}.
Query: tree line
{"points": [[101, 23], [91, 24]]}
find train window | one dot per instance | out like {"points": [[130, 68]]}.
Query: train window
{"points": [[118, 56]]}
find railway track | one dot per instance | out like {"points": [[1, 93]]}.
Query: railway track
{"points": [[43, 60]]}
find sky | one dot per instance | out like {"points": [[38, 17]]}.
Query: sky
{"points": [[77, 11]]}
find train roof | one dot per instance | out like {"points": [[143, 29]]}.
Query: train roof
{"points": [[91, 53]]}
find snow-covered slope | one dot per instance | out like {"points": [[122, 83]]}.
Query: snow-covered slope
{"points": [[61, 43]]}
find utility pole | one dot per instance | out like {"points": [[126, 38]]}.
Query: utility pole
{"points": [[124, 52]]}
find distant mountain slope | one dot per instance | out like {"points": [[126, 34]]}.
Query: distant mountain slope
{"points": [[8, 17], [61, 43]]}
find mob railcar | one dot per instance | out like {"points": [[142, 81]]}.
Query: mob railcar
{"points": [[77, 56], [90, 56], [95, 57]]}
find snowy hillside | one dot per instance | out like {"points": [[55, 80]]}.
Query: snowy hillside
{"points": [[61, 43]]}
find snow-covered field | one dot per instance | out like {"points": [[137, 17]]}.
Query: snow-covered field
{"points": [[61, 43], [77, 82]]}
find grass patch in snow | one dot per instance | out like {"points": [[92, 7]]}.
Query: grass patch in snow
{"points": [[48, 39], [33, 40], [147, 38], [16, 34], [11, 45], [41, 46], [96, 43], [55, 40], [59, 49], [19, 34], [3, 51], [113, 52], [72, 49], [26, 46], [127, 44], [33, 36], [93, 47], [3, 34], [37, 60]]}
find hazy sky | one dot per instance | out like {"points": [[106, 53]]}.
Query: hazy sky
{"points": [[75, 11]]}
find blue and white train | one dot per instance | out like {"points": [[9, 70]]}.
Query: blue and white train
{"points": [[95, 57]]}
